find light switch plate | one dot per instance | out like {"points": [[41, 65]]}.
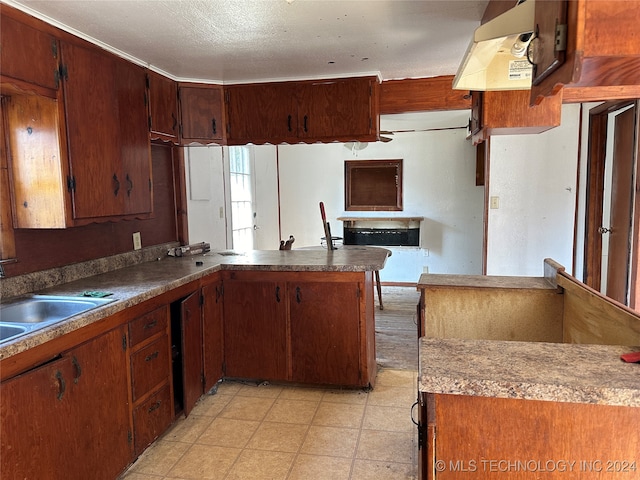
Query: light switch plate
{"points": [[137, 241]]}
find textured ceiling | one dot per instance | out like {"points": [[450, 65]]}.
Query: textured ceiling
{"points": [[252, 40]]}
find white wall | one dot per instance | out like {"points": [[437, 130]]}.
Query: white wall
{"points": [[206, 196], [439, 184], [534, 177]]}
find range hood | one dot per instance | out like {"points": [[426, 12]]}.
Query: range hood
{"points": [[489, 63]]}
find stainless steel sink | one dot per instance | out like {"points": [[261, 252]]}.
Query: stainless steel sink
{"points": [[32, 313], [10, 331]]}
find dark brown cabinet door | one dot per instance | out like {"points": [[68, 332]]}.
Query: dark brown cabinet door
{"points": [[69, 418], [28, 54], [99, 425], [336, 109], [262, 113], [201, 114], [39, 399], [163, 107], [191, 351], [135, 152], [255, 333], [108, 142], [325, 332], [93, 129], [546, 51], [212, 314]]}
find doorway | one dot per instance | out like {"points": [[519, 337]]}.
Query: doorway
{"points": [[613, 219], [242, 194]]}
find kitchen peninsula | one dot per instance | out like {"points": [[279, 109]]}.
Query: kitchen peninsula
{"points": [[521, 377], [176, 326]]}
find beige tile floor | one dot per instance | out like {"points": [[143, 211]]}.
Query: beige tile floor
{"points": [[277, 432]]}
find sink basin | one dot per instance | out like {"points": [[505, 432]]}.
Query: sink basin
{"points": [[10, 331], [32, 313]]}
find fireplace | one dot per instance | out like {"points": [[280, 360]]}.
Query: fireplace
{"points": [[387, 231]]}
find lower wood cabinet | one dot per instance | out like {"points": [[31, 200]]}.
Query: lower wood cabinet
{"points": [[150, 355], [212, 337], [325, 332], [305, 327], [69, 418], [473, 437], [255, 326]]}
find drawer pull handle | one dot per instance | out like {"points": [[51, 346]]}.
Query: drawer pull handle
{"points": [[62, 386], [153, 356], [155, 406], [76, 364], [151, 324]]}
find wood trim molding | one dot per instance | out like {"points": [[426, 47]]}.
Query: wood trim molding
{"points": [[422, 95]]}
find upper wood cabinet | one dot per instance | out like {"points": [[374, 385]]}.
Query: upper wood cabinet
{"points": [[292, 112], [27, 54], [586, 44], [201, 114], [508, 113], [163, 107], [108, 143], [77, 128], [261, 113]]}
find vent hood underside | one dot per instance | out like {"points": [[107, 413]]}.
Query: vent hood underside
{"points": [[488, 63]]}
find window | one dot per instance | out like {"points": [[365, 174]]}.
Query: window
{"points": [[372, 185], [241, 187]]}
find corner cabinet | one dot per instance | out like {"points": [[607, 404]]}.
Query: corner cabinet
{"points": [[76, 412], [304, 327], [201, 114], [163, 107], [310, 111]]}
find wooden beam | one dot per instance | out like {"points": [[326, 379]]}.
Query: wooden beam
{"points": [[422, 95]]}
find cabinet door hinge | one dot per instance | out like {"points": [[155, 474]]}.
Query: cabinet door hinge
{"points": [[147, 80], [561, 37], [54, 48], [129, 437], [124, 342], [203, 378], [201, 299], [71, 183], [358, 293], [64, 73]]}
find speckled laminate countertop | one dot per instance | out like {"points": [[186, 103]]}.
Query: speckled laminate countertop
{"points": [[558, 372], [135, 284], [482, 281]]}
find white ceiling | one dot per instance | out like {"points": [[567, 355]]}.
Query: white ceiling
{"points": [[234, 41]]}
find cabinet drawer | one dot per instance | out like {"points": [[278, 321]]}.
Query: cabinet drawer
{"points": [[147, 325], [149, 366], [151, 418]]}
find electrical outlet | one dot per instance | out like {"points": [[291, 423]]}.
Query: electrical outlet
{"points": [[494, 202], [137, 241]]}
